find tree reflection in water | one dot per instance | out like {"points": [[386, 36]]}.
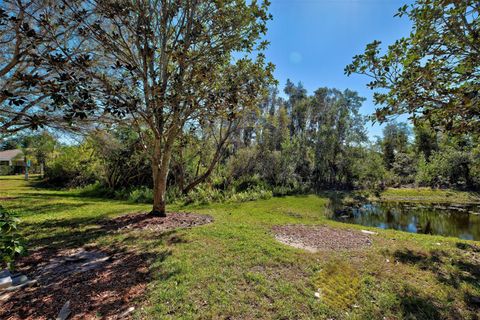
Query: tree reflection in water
{"points": [[441, 219]]}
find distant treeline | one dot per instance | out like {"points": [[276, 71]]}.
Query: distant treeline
{"points": [[299, 144]]}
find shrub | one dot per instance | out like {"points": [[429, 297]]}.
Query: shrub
{"points": [[205, 195], [97, 190], [369, 171], [5, 170], [475, 168], [249, 182], [252, 194], [281, 191], [243, 163], [73, 166], [141, 195], [11, 243], [447, 168]]}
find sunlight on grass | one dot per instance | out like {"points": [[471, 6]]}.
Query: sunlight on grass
{"points": [[234, 267], [338, 284]]}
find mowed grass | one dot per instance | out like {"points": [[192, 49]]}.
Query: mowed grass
{"points": [[235, 269]]}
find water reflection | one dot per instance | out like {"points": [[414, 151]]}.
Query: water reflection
{"points": [[462, 221]]}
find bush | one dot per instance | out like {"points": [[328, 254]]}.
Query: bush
{"points": [[73, 166], [249, 182], [5, 170], [281, 191], [141, 195], [11, 243], [447, 168], [404, 168], [243, 163], [97, 190], [205, 195], [369, 171], [475, 168], [252, 194]]}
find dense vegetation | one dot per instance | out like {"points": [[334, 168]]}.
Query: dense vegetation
{"points": [[175, 88], [301, 144]]}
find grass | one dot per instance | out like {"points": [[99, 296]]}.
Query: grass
{"points": [[430, 195], [234, 268]]}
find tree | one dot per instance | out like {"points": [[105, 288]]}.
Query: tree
{"points": [[425, 140], [34, 71], [368, 168], [40, 146], [296, 106], [337, 127], [433, 74], [169, 66], [122, 156], [395, 140]]}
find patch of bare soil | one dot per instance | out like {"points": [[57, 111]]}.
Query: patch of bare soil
{"points": [[320, 238], [98, 284], [144, 221], [7, 198]]}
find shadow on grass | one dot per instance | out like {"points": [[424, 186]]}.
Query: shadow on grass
{"points": [[75, 232], [58, 207], [104, 292], [62, 233], [65, 194], [415, 306], [455, 269]]}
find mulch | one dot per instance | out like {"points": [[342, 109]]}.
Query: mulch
{"points": [[107, 291], [145, 221], [7, 198], [104, 285], [320, 238]]}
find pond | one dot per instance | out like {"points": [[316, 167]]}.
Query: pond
{"points": [[455, 220]]}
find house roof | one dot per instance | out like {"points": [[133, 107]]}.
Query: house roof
{"points": [[9, 154]]}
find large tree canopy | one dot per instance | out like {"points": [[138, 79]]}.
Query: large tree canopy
{"points": [[434, 73], [35, 71], [168, 67]]}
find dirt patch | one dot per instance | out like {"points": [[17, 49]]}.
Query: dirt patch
{"points": [[99, 283], [7, 198], [104, 292], [320, 238], [143, 221]]}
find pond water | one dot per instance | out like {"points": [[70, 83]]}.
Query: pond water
{"points": [[462, 221]]}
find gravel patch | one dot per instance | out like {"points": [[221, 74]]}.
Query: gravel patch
{"points": [[320, 238]]}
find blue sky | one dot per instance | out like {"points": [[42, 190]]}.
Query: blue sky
{"points": [[313, 40]]}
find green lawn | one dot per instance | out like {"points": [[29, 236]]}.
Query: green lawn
{"points": [[234, 268]]}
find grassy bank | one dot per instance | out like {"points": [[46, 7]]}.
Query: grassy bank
{"points": [[430, 195], [234, 268]]}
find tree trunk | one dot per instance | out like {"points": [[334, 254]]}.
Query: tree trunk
{"points": [[159, 191], [160, 165], [216, 158]]}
